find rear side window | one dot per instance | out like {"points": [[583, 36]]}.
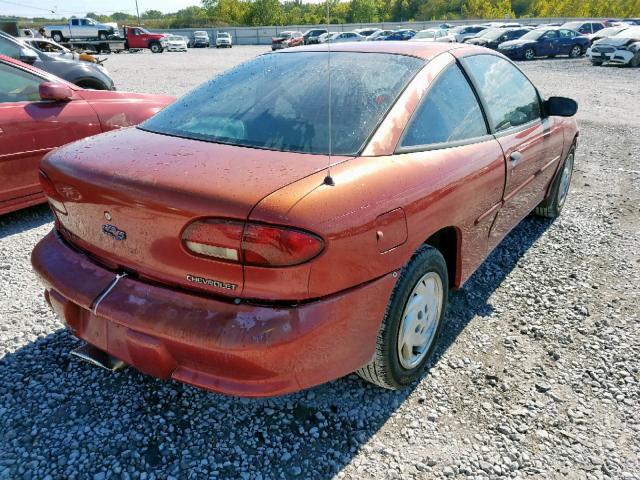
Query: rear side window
{"points": [[511, 99], [281, 102], [449, 113]]}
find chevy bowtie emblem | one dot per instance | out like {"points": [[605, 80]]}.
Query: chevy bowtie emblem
{"points": [[114, 232]]}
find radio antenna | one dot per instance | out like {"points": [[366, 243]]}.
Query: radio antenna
{"points": [[328, 180]]}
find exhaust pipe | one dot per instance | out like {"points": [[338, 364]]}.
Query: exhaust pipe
{"points": [[99, 358]]}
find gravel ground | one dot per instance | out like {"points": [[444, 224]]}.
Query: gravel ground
{"points": [[537, 376]]}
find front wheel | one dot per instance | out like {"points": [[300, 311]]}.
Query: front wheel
{"points": [[551, 206], [155, 48], [575, 51], [596, 63], [412, 323], [102, 36], [529, 54], [635, 61]]}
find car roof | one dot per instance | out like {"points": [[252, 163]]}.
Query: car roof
{"points": [[423, 50]]}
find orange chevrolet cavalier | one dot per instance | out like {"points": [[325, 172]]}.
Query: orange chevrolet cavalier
{"points": [[274, 230]]}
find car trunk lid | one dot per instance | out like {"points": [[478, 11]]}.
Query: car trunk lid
{"points": [[129, 195]]}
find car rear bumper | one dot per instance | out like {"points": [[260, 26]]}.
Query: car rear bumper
{"points": [[238, 349]]}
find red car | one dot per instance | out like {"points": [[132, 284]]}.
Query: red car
{"points": [[242, 242], [39, 112], [286, 40]]}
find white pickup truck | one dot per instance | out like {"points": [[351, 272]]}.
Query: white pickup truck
{"points": [[79, 28]]}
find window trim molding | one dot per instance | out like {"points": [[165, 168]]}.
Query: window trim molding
{"points": [[440, 145]]}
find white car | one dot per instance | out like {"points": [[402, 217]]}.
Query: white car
{"points": [[326, 36], [346, 37], [223, 39], [623, 48], [429, 35], [462, 32], [175, 43]]}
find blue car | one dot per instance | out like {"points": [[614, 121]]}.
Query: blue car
{"points": [[546, 42], [406, 34]]}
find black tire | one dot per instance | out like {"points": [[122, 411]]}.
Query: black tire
{"points": [[102, 35], [57, 37], [529, 54], [155, 47], [385, 369], [596, 63], [551, 207], [635, 61], [575, 51]]}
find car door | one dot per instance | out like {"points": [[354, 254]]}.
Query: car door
{"points": [[548, 43], [30, 128], [448, 134], [565, 41], [75, 30], [532, 147]]}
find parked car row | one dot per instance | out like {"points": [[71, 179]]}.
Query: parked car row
{"points": [[201, 39], [612, 41]]}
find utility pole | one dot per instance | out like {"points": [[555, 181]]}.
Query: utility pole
{"points": [[137, 12]]}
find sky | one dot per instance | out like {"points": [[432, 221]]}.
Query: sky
{"points": [[66, 8]]}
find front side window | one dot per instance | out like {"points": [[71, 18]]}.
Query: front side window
{"points": [[449, 113], [18, 86], [511, 99], [281, 102]]}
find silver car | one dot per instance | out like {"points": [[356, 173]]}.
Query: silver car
{"points": [[346, 37], [63, 65]]}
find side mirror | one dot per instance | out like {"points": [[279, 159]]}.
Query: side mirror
{"points": [[560, 107], [55, 91], [27, 56]]}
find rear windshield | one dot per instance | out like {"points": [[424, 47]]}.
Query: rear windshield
{"points": [[281, 102]]}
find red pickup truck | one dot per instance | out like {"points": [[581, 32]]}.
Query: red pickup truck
{"points": [[139, 37]]}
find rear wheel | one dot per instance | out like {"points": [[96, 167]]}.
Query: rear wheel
{"points": [[575, 51], [57, 37], [412, 323], [551, 206], [529, 54]]}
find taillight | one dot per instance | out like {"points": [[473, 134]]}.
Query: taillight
{"points": [[253, 244], [53, 196]]}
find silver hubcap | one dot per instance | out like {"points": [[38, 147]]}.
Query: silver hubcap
{"points": [[420, 320], [529, 54], [565, 181], [576, 51]]}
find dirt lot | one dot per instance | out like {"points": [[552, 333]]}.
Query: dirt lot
{"points": [[537, 376]]}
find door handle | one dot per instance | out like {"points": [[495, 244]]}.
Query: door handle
{"points": [[515, 158]]}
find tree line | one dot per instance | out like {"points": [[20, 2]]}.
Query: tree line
{"points": [[214, 13]]}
